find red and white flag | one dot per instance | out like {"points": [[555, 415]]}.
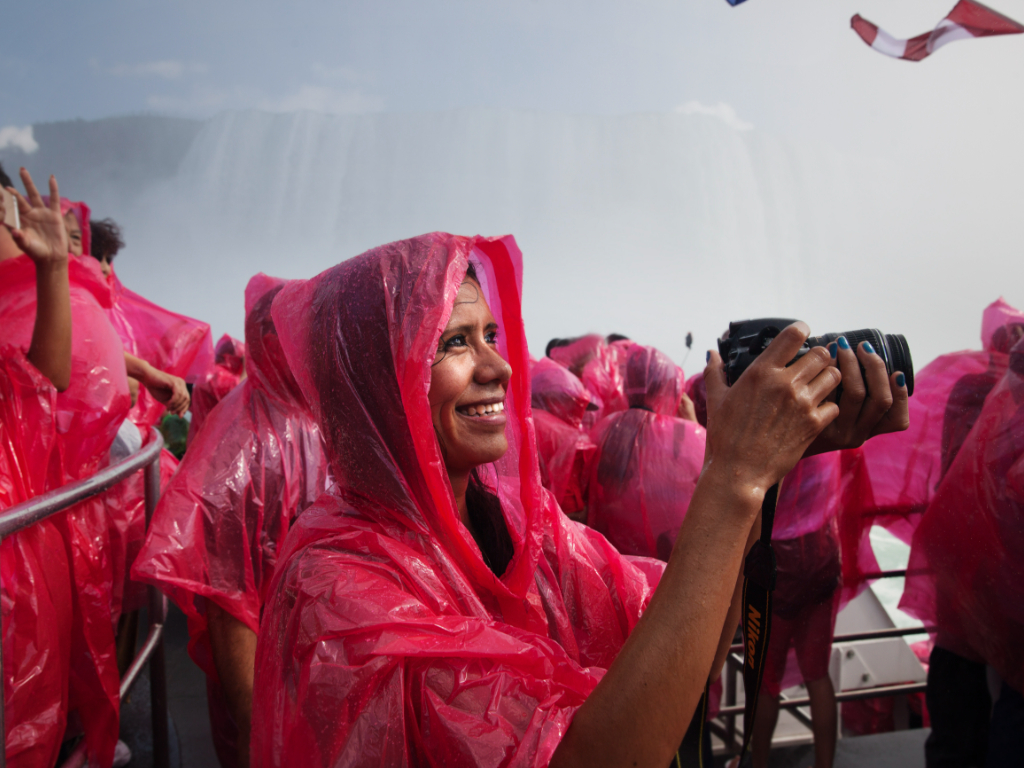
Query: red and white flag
{"points": [[967, 19]]}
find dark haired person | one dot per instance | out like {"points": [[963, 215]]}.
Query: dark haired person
{"points": [[107, 240], [437, 607]]}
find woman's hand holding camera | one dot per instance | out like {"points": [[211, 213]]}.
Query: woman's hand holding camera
{"points": [[776, 413], [762, 425]]}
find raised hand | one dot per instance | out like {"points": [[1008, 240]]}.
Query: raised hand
{"points": [[42, 234]]}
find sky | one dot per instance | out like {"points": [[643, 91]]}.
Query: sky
{"points": [[793, 68], [947, 129]]}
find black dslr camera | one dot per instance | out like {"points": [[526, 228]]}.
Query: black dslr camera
{"points": [[747, 339]]}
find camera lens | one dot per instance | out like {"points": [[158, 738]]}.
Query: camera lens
{"points": [[891, 347]]}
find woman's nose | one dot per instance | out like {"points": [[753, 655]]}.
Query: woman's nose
{"points": [[492, 367]]}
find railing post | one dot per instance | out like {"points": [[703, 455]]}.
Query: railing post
{"points": [[157, 615]]}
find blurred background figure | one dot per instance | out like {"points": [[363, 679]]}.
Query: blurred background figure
{"points": [[647, 461], [564, 449], [213, 544], [221, 376]]}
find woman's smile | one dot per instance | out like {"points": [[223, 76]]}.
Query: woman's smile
{"points": [[484, 412]]}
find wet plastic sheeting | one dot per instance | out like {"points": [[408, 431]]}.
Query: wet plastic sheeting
{"points": [[213, 384], [257, 464], [87, 416], [966, 570], [36, 598], [387, 639], [647, 462]]}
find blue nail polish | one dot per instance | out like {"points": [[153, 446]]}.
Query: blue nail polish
{"points": [[868, 348], [843, 343], [901, 380], [833, 350], [708, 358]]}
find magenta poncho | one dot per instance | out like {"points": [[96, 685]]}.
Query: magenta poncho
{"points": [[648, 461], [891, 479], [257, 464], [599, 367], [86, 418], [213, 384], [386, 639], [966, 571], [559, 402], [36, 598]]}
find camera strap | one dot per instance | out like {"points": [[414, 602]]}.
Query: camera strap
{"points": [[759, 571]]}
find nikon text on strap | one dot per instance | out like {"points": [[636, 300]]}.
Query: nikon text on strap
{"points": [[758, 584]]}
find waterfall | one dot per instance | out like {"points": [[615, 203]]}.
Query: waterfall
{"points": [[650, 225]]}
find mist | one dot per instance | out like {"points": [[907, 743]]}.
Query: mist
{"points": [[650, 225]]}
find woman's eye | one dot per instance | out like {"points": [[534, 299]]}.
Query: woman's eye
{"points": [[492, 337], [458, 340]]}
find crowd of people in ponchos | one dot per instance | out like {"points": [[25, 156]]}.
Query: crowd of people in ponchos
{"points": [[352, 602]]}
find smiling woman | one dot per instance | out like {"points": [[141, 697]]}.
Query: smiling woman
{"points": [[437, 607]]}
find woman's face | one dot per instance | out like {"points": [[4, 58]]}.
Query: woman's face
{"points": [[74, 233], [467, 385]]}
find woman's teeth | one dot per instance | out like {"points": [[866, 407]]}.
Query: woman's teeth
{"points": [[481, 410]]}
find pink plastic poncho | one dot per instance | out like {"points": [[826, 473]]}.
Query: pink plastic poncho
{"points": [[891, 480], [806, 599], [966, 570], [258, 463], [214, 384], [87, 417], [170, 342], [598, 366], [386, 639], [560, 401], [36, 598], [647, 463]]}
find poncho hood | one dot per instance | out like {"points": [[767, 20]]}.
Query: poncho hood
{"points": [[559, 392], [653, 381], [361, 338], [999, 315], [265, 361]]}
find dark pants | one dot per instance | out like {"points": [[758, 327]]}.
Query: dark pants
{"points": [[959, 705], [1006, 739]]}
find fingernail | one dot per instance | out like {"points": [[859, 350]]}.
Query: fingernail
{"points": [[843, 343], [708, 358], [868, 348], [833, 350], [901, 380]]}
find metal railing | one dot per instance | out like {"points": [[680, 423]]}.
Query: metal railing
{"points": [[29, 513], [728, 713]]}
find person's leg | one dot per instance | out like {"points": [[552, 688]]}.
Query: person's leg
{"points": [[1006, 737], [764, 728], [824, 720], [234, 654], [958, 704]]}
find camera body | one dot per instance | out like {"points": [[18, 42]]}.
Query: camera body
{"points": [[746, 339]]}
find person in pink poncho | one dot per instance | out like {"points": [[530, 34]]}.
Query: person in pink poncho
{"points": [[564, 449], [216, 534], [437, 607], [891, 480], [598, 365], [647, 462], [965, 572], [85, 418], [222, 376]]}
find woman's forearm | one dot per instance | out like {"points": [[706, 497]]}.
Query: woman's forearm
{"points": [[639, 712], [50, 350]]}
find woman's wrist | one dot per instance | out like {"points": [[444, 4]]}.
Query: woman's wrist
{"points": [[733, 489]]}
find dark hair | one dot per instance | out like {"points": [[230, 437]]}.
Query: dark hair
{"points": [[613, 337], [5, 180], [489, 526], [106, 239]]}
